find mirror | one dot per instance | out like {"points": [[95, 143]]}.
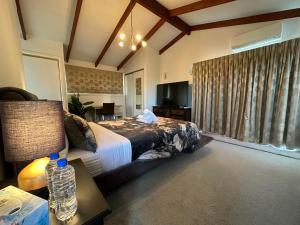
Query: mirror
{"points": [[138, 93]]}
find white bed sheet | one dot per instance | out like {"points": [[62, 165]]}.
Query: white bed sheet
{"points": [[113, 151]]}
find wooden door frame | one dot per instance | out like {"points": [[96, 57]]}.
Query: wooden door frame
{"points": [[143, 88]]}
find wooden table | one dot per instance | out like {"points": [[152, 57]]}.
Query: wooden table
{"points": [[92, 206]]}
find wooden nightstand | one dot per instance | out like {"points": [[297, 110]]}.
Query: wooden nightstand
{"points": [[92, 206]]}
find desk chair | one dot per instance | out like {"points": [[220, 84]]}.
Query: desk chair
{"points": [[108, 111]]}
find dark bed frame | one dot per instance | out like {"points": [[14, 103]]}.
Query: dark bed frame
{"points": [[110, 180]]}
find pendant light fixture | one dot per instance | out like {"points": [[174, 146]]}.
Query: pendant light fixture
{"points": [[134, 39]]}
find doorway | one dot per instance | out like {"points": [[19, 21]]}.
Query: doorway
{"points": [[134, 92]]}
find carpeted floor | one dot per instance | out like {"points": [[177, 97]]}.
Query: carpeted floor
{"points": [[222, 184]]}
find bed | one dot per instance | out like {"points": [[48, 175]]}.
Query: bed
{"points": [[127, 148]]}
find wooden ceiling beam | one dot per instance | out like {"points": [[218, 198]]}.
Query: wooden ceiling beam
{"points": [[161, 11], [74, 26], [116, 30], [19, 12], [197, 6], [280, 15], [146, 38], [172, 42]]}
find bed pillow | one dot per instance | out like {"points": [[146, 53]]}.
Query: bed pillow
{"points": [[79, 133]]}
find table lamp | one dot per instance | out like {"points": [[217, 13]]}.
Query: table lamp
{"points": [[32, 130]]}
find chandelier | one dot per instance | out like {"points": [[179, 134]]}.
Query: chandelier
{"points": [[134, 39]]}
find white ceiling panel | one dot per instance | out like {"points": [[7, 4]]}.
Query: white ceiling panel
{"points": [[47, 19], [96, 23], [163, 36], [172, 4], [236, 9]]}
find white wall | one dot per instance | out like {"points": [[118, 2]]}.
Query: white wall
{"points": [[11, 66], [152, 77], [176, 63], [137, 62], [51, 49], [147, 59]]}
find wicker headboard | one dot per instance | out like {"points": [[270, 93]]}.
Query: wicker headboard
{"points": [[11, 94]]}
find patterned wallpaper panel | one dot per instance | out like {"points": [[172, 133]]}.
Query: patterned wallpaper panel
{"points": [[88, 80]]}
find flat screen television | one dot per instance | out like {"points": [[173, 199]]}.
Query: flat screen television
{"points": [[173, 94]]}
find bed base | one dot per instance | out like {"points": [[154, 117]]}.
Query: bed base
{"points": [[111, 180]]}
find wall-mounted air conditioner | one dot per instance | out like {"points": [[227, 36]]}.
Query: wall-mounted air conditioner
{"points": [[258, 38]]}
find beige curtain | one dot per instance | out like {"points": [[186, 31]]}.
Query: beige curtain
{"points": [[251, 96]]}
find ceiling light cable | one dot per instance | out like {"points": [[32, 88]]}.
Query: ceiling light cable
{"points": [[131, 28]]}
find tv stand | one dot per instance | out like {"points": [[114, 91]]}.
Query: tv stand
{"points": [[179, 113]]}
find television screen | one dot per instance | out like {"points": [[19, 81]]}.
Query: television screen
{"points": [[173, 94]]}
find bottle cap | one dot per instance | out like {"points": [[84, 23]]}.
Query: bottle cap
{"points": [[62, 162], [54, 156]]}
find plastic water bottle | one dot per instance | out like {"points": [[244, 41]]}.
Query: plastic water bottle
{"points": [[49, 172], [64, 187]]}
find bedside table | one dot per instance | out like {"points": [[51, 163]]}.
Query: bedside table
{"points": [[92, 206]]}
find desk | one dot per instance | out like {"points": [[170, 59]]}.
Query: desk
{"points": [[118, 111]]}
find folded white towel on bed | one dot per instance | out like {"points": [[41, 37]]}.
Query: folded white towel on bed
{"points": [[147, 117]]}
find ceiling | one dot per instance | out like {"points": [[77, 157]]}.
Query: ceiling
{"points": [[52, 19]]}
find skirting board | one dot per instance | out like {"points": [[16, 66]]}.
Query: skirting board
{"points": [[259, 147]]}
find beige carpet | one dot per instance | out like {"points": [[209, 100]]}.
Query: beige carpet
{"points": [[223, 184]]}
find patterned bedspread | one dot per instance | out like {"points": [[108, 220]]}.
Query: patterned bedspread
{"points": [[162, 139]]}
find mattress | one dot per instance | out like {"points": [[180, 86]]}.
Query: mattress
{"points": [[113, 151], [165, 136]]}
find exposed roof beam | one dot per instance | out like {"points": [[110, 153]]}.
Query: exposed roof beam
{"points": [[74, 26], [116, 30], [161, 11], [239, 21], [250, 19], [172, 42], [21, 19], [197, 6], [146, 38]]}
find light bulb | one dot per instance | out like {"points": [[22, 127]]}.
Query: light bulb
{"points": [[144, 44], [133, 47], [138, 37], [122, 36], [121, 43]]}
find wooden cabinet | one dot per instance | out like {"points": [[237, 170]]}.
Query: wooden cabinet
{"points": [[174, 113]]}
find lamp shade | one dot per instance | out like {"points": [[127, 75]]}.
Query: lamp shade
{"points": [[31, 129]]}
